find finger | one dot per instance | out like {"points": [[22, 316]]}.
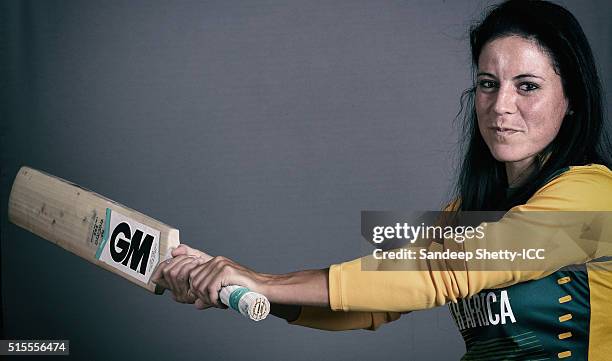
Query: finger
{"points": [[199, 279], [195, 281], [200, 305], [161, 283], [184, 249], [205, 270], [190, 297], [157, 273], [168, 266], [187, 271], [200, 269], [162, 269], [157, 276], [181, 250], [182, 281], [212, 281], [209, 283], [176, 279]]}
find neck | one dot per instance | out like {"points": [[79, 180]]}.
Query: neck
{"points": [[517, 172]]}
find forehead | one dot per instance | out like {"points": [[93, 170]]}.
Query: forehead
{"points": [[515, 54]]}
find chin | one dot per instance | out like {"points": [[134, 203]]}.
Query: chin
{"points": [[503, 154]]}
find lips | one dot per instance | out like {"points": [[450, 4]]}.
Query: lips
{"points": [[504, 132], [505, 129]]}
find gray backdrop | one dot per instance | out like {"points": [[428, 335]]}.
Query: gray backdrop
{"points": [[259, 128]]}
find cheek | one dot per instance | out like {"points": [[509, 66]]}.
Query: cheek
{"points": [[543, 118], [480, 105]]}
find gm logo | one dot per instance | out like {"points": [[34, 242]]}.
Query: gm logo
{"points": [[125, 248], [129, 246]]}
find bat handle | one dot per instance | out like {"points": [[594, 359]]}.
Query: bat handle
{"points": [[250, 304]]}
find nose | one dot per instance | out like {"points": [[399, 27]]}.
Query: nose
{"points": [[505, 101]]}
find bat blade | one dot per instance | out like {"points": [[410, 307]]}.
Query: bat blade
{"points": [[97, 229], [106, 233]]}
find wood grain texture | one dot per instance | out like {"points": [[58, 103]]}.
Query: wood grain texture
{"points": [[67, 215]]}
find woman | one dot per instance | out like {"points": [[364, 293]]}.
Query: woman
{"points": [[535, 141]]}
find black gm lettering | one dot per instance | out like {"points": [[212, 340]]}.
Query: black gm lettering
{"points": [[130, 248]]}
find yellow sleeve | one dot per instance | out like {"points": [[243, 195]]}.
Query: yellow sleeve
{"points": [[582, 188], [326, 319]]}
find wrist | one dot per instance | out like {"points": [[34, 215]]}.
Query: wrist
{"points": [[267, 284]]}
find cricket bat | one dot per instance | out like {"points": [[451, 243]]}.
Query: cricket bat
{"points": [[106, 233]]}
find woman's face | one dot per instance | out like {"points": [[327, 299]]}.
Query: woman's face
{"points": [[520, 102]]}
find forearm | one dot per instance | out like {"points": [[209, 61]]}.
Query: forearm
{"points": [[301, 298], [294, 295], [302, 288]]}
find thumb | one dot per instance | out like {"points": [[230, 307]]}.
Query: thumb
{"points": [[184, 250]]}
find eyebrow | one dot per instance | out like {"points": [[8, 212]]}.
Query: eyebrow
{"points": [[520, 76]]}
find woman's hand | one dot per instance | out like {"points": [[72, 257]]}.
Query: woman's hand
{"points": [[173, 274], [185, 250], [207, 279], [196, 277]]}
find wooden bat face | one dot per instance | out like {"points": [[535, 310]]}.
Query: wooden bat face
{"points": [[106, 233]]}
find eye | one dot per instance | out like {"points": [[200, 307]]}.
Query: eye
{"points": [[487, 84], [528, 87]]}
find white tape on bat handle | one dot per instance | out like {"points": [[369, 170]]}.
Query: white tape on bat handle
{"points": [[250, 304]]}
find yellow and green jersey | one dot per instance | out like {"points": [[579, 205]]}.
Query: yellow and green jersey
{"points": [[562, 316], [508, 314]]}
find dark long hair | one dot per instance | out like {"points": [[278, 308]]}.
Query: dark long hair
{"points": [[582, 139]]}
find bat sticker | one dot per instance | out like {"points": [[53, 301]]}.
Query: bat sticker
{"points": [[129, 246]]}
